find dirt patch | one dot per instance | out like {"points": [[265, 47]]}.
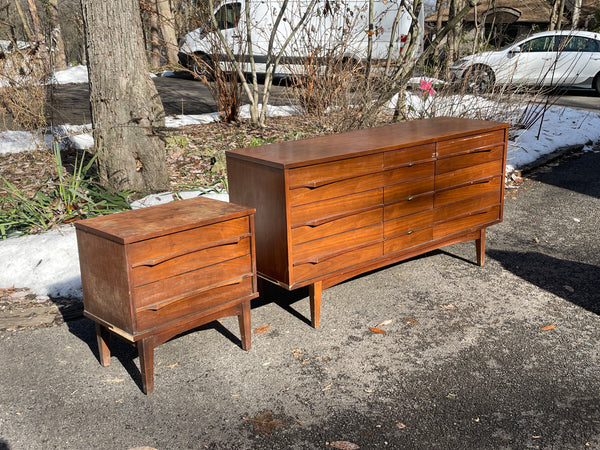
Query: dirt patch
{"points": [[21, 309]]}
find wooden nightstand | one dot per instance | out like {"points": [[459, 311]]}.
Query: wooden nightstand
{"points": [[153, 273]]}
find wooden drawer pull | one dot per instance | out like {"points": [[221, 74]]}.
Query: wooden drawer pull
{"points": [[164, 258], [318, 222], [320, 258], [164, 304]]}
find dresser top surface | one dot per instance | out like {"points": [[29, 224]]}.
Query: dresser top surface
{"points": [[355, 143], [145, 223]]}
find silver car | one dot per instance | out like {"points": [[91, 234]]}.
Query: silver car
{"points": [[566, 58]]}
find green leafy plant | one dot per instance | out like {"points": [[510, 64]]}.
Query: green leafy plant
{"points": [[64, 199]]}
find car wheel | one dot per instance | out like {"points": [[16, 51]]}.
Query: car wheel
{"points": [[479, 79], [596, 84], [202, 67]]}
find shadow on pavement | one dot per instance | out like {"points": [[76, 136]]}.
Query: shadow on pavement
{"points": [[573, 281]]}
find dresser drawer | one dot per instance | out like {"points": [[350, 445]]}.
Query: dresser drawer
{"points": [[408, 239], [165, 312], [355, 221], [476, 188], [470, 143], [153, 251], [303, 195], [462, 224], [406, 190], [409, 173], [468, 174], [350, 257], [187, 284], [407, 224], [409, 156], [408, 206], [466, 206], [313, 251], [166, 268], [473, 158], [314, 214], [320, 174]]}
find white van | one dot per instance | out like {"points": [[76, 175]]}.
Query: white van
{"points": [[338, 28]]}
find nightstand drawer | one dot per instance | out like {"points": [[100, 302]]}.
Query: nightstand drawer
{"points": [[469, 143], [409, 156], [304, 195], [408, 206], [167, 268], [188, 283], [317, 213], [406, 190], [320, 174], [351, 256], [310, 233], [473, 158], [152, 251], [168, 311], [468, 174], [313, 251], [408, 239], [457, 194]]}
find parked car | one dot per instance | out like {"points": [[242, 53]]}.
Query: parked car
{"points": [[566, 59]]}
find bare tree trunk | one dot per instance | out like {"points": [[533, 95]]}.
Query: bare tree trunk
{"points": [[58, 47], [23, 21], [454, 36], [439, 8], [154, 37], [38, 34], [576, 14], [125, 105], [166, 21]]}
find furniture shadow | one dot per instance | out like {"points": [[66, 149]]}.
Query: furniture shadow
{"points": [[573, 281], [125, 352]]}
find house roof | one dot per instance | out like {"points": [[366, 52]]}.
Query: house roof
{"points": [[505, 11]]}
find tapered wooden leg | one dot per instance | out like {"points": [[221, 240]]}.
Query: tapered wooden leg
{"points": [[103, 339], [244, 320], [314, 291], [146, 354], [480, 248]]}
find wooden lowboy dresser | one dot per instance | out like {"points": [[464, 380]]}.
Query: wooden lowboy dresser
{"points": [[332, 207], [152, 273]]}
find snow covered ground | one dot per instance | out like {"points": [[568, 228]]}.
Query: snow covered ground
{"points": [[48, 263]]}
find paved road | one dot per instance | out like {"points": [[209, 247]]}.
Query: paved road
{"points": [[501, 357], [181, 95]]}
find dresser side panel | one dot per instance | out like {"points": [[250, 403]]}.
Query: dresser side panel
{"points": [[104, 279], [263, 187]]}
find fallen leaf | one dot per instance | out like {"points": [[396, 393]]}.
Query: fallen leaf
{"points": [[548, 327], [400, 425], [344, 445], [115, 380], [378, 330], [265, 423], [262, 329], [384, 323], [410, 320], [449, 306]]}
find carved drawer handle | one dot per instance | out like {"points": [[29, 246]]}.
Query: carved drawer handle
{"points": [[151, 262], [178, 298]]}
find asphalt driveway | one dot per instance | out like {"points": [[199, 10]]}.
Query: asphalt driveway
{"points": [[503, 356]]}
